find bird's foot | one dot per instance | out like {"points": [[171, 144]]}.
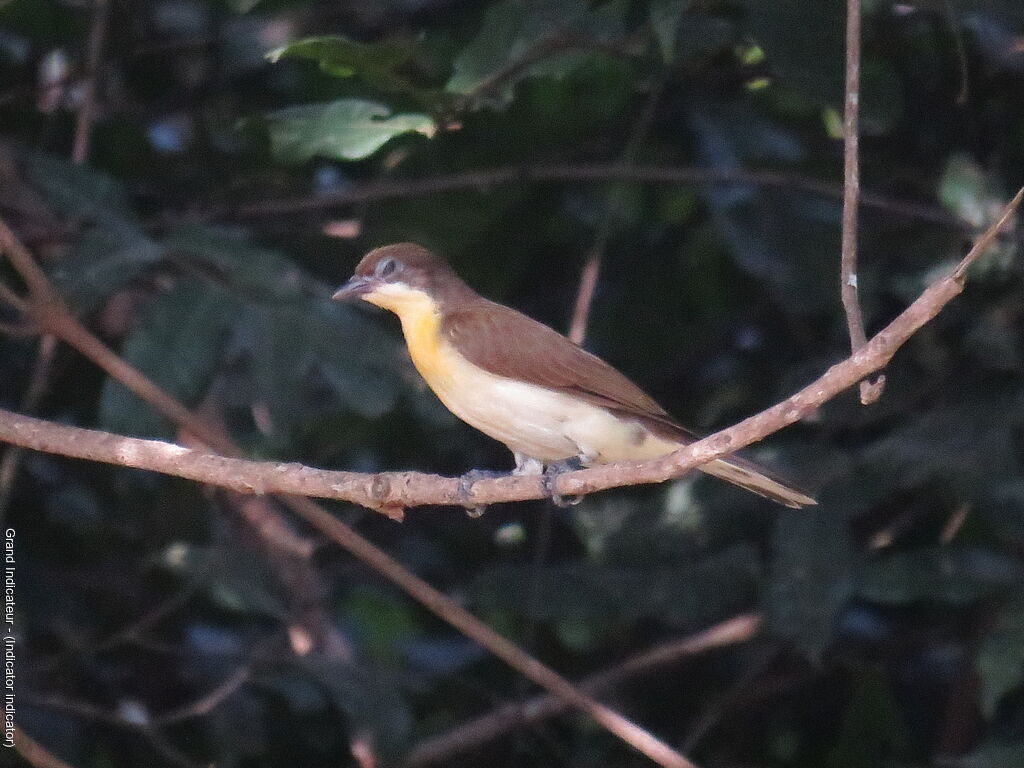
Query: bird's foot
{"points": [[527, 465], [466, 483], [552, 471]]}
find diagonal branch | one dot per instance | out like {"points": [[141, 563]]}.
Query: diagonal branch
{"points": [[391, 491], [464, 737], [34, 753], [52, 315]]}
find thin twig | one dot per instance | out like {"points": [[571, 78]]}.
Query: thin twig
{"points": [[33, 394], [205, 704], [503, 719], [9, 297], [585, 292], [52, 314], [87, 111], [544, 49], [592, 267], [201, 706], [848, 278], [961, 54], [392, 491], [484, 179]]}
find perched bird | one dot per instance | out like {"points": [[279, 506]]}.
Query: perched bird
{"points": [[523, 383]]}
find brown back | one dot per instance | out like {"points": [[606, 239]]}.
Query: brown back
{"points": [[510, 344]]}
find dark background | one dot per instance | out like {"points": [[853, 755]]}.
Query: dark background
{"points": [[892, 620]]}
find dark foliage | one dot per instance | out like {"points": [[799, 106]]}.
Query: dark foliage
{"points": [[894, 624]]}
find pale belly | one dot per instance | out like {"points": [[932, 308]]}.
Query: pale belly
{"points": [[532, 420]]}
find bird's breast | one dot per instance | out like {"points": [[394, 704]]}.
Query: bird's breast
{"points": [[530, 419]]}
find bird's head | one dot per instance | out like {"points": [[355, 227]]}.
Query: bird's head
{"points": [[399, 275]]}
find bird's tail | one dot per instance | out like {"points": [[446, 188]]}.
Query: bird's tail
{"points": [[748, 475]]}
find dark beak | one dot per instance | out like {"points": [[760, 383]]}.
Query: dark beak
{"points": [[353, 289]]}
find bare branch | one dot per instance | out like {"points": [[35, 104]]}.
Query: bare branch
{"points": [[204, 704], [36, 754], [393, 491], [87, 112], [492, 725], [11, 298], [592, 266], [487, 178], [33, 394], [52, 314], [585, 294], [869, 391]]}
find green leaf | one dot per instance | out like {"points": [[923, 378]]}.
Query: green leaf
{"points": [[530, 39], [377, 63], [76, 191], [177, 345], [964, 189], [1001, 658], [943, 575], [293, 351], [373, 704], [347, 129], [580, 595], [114, 249], [810, 577], [228, 257], [665, 16], [872, 732], [342, 57]]}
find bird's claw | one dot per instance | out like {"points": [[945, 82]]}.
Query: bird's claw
{"points": [[552, 471], [466, 483]]}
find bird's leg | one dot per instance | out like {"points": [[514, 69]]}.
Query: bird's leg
{"points": [[553, 470], [466, 483]]}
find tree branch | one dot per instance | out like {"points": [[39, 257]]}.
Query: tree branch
{"points": [[483, 179], [869, 391], [49, 311], [36, 754], [87, 112], [37, 385], [391, 492], [515, 715]]}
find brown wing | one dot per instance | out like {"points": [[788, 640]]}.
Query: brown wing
{"points": [[508, 343]]}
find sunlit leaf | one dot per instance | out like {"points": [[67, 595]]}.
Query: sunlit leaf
{"points": [[347, 129]]}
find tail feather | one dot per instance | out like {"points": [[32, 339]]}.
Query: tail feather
{"points": [[753, 478]]}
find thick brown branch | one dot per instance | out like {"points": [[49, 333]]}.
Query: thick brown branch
{"points": [[396, 490], [515, 715], [51, 313]]}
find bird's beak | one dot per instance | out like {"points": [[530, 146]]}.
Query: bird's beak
{"points": [[356, 287]]}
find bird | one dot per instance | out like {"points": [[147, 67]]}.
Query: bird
{"points": [[552, 403]]}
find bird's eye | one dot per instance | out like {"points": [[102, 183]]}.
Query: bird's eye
{"points": [[386, 267]]}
